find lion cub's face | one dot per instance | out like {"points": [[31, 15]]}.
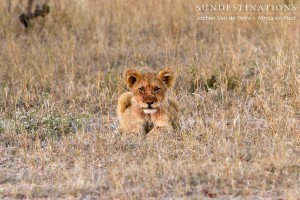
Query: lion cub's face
{"points": [[149, 89]]}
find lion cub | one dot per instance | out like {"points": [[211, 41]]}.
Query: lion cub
{"points": [[148, 108]]}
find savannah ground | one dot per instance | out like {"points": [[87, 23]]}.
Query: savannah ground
{"points": [[238, 85]]}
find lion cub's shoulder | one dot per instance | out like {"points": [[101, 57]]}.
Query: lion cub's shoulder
{"points": [[124, 101], [173, 103]]}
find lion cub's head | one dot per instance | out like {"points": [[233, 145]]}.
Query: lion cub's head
{"points": [[149, 89]]}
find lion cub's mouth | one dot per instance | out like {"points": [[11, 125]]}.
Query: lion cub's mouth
{"points": [[149, 110]]}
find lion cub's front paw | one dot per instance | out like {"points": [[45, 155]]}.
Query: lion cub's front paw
{"points": [[159, 131]]}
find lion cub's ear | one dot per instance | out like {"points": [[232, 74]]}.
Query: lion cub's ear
{"points": [[167, 76], [131, 77]]}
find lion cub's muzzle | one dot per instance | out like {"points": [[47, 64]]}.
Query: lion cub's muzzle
{"points": [[150, 106], [150, 109]]}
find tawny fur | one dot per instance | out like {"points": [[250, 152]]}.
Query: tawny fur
{"points": [[148, 108]]}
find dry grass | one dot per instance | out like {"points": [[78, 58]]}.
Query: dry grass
{"points": [[60, 83]]}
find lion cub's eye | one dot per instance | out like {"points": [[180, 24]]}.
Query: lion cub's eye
{"points": [[156, 89], [141, 89]]}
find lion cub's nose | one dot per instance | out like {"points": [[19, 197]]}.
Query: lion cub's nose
{"points": [[150, 103]]}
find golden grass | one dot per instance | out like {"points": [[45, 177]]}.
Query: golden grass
{"points": [[60, 83]]}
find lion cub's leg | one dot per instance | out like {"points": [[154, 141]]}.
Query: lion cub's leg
{"points": [[162, 124], [166, 120]]}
